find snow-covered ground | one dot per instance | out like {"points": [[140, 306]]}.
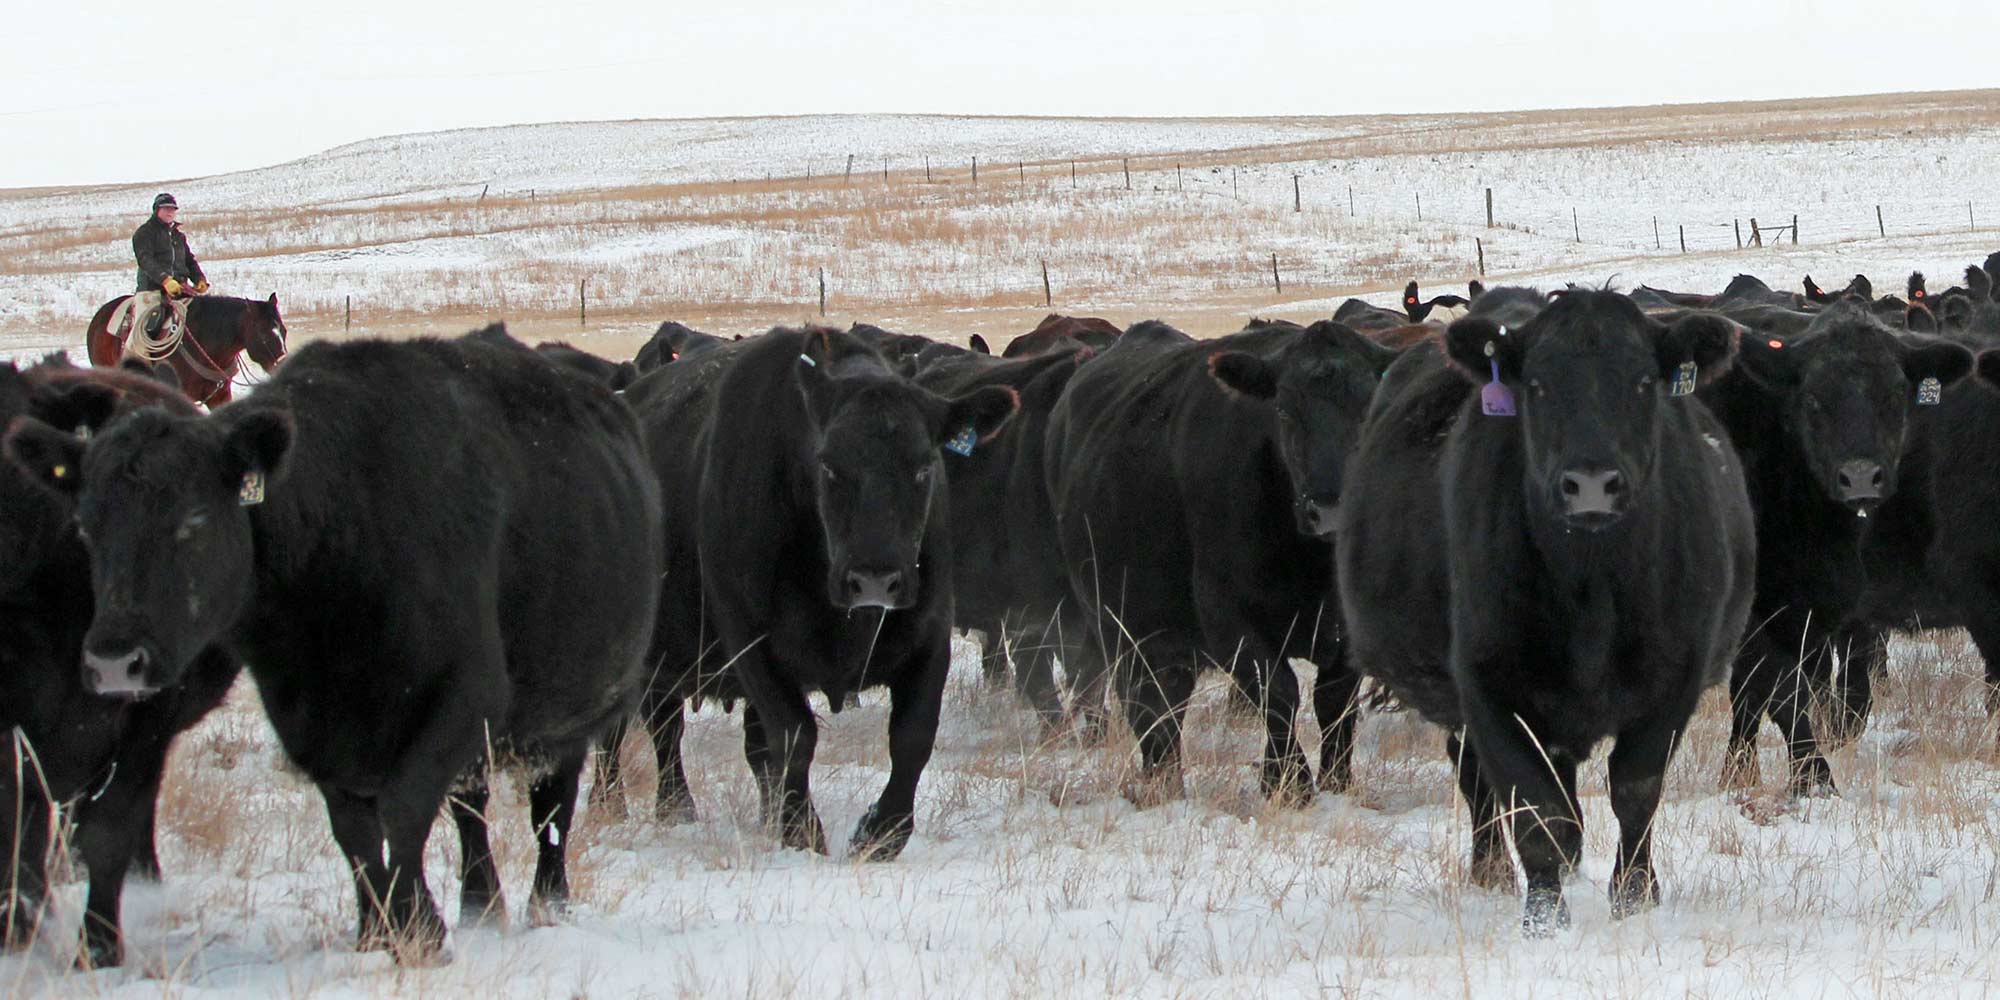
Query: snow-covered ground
{"points": [[1888, 890]]}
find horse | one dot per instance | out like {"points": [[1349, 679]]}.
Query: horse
{"points": [[218, 329]]}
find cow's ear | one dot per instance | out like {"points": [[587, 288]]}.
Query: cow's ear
{"points": [[1705, 340], [80, 406], [258, 442], [1954, 312], [1989, 367], [1241, 371], [1475, 288], [1768, 361], [1475, 344], [1926, 357], [1918, 319], [48, 455], [1978, 284], [982, 412], [1862, 286], [978, 345], [1813, 292]]}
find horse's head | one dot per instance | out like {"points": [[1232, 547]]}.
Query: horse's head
{"points": [[264, 333]]}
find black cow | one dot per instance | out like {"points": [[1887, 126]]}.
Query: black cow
{"points": [[1359, 315], [1419, 309], [671, 341], [1007, 566], [1827, 424], [614, 375], [1194, 485], [480, 525], [1746, 290], [807, 549], [102, 756], [1593, 573]]}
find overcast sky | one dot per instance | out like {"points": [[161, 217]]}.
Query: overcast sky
{"points": [[92, 91]]}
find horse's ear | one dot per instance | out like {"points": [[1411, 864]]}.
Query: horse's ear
{"points": [[274, 301]]}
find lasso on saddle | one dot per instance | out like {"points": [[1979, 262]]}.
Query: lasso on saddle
{"points": [[128, 324]]}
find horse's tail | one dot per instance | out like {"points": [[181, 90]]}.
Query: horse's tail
{"points": [[105, 347]]}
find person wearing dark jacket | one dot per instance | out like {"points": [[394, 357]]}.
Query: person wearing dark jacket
{"points": [[165, 262]]}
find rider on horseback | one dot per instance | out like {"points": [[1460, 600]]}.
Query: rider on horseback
{"points": [[166, 265]]}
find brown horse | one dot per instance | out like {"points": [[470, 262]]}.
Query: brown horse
{"points": [[218, 329]]}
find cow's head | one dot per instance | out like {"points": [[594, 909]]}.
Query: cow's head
{"points": [[1592, 377], [1846, 390], [875, 442], [1319, 385], [161, 502]]}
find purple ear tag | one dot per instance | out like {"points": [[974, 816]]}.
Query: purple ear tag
{"points": [[1930, 391], [961, 443], [1495, 399], [1684, 379]]}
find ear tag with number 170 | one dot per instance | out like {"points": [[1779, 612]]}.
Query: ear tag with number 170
{"points": [[1684, 379]]}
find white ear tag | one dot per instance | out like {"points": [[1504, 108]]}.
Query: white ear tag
{"points": [[1930, 391], [1684, 379], [961, 443], [252, 492]]}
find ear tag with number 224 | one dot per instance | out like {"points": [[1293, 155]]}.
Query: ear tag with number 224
{"points": [[1930, 391]]}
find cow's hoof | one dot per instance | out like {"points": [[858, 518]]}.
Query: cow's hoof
{"points": [[1157, 788], [879, 839], [1633, 892], [547, 911], [483, 912], [1544, 914], [99, 953], [1335, 779], [805, 834]]}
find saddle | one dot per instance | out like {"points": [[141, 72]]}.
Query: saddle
{"points": [[129, 321]]}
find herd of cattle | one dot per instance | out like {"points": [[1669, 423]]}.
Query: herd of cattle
{"points": [[1557, 520]]}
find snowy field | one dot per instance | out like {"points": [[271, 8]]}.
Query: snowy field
{"points": [[1028, 875]]}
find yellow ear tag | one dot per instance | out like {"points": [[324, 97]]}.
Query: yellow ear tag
{"points": [[61, 471], [252, 492]]}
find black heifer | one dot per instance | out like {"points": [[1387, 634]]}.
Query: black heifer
{"points": [[1448, 307], [807, 548], [104, 756], [671, 341], [1593, 575], [613, 374], [1007, 567], [1195, 485], [423, 550], [1837, 461]]}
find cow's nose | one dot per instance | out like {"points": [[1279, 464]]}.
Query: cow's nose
{"points": [[871, 588], [1860, 481], [1593, 492], [116, 673]]}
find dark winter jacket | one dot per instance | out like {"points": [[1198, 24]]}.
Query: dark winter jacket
{"points": [[163, 253]]}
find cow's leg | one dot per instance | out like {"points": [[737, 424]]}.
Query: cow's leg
{"points": [[916, 694], [1983, 623], [1535, 785], [1337, 705], [1158, 682], [992, 651], [788, 735], [1270, 683], [1034, 647], [358, 832], [446, 748], [113, 828], [607, 772], [1864, 657], [480, 900], [1087, 661], [551, 810], [674, 802], [1489, 867], [1752, 689], [1810, 774], [1638, 768]]}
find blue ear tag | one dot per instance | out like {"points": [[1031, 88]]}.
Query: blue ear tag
{"points": [[961, 443], [1684, 379], [1495, 399], [252, 492], [1930, 392]]}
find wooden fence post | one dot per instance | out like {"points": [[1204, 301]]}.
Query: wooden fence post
{"points": [[1489, 211], [1072, 175], [1275, 280], [1350, 201], [975, 170], [1237, 193], [1480, 245], [822, 291], [1420, 206], [1656, 232], [927, 169], [1178, 186], [1048, 293], [580, 314], [1021, 169], [1795, 229], [1297, 206], [1756, 235], [1879, 228], [1969, 227], [1684, 237], [848, 178], [1739, 233], [1575, 227], [1128, 172], [348, 323], [885, 170]]}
